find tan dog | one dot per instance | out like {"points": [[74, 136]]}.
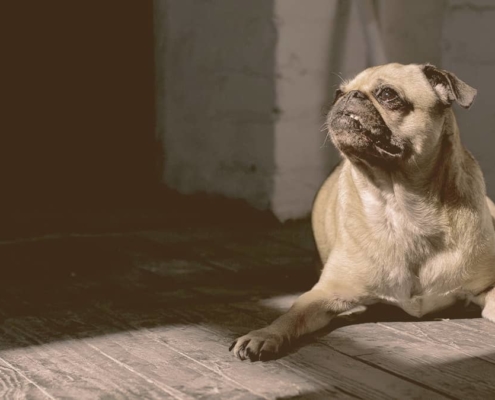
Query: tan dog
{"points": [[404, 218]]}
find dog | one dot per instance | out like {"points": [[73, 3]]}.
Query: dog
{"points": [[404, 218]]}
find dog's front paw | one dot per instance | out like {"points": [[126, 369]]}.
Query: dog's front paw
{"points": [[489, 311], [261, 345], [489, 306]]}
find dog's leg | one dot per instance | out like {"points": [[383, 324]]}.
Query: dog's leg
{"points": [[312, 311], [487, 302]]}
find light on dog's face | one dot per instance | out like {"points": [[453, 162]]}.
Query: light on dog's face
{"points": [[385, 115], [359, 130]]}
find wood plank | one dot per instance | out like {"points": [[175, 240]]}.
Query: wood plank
{"points": [[435, 365], [479, 328], [328, 370], [198, 344], [404, 350], [15, 385], [214, 265], [296, 233], [208, 344], [220, 276], [473, 343], [271, 252], [268, 380], [182, 271], [196, 235], [254, 264], [140, 350], [163, 324], [71, 368]]}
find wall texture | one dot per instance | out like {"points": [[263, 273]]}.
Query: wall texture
{"points": [[468, 51], [311, 42], [412, 30], [242, 90], [216, 96]]}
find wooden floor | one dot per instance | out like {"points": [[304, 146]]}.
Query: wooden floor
{"points": [[150, 315]]}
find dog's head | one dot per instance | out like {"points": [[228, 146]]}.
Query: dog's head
{"points": [[391, 113]]}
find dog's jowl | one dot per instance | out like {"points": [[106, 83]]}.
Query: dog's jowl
{"points": [[404, 218]]}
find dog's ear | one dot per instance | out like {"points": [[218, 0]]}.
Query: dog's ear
{"points": [[449, 87]]}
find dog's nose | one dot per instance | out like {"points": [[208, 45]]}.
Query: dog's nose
{"points": [[358, 94]]}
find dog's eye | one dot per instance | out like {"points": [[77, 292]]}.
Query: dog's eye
{"points": [[388, 94]]}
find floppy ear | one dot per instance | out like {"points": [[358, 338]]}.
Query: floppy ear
{"points": [[449, 87]]}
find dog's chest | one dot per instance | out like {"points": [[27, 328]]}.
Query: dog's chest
{"points": [[401, 234], [403, 239]]}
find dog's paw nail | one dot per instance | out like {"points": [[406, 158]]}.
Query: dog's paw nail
{"points": [[242, 355], [232, 345], [240, 348]]}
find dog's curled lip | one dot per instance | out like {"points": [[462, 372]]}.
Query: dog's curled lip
{"points": [[391, 150], [388, 153]]}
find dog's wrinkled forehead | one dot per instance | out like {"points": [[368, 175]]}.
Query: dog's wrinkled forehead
{"points": [[409, 80]]}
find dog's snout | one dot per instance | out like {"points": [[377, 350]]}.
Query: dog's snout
{"points": [[358, 94]]}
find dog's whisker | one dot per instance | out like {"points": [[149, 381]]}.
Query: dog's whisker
{"points": [[342, 80]]}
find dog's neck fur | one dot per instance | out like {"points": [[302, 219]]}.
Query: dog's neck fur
{"points": [[414, 195]]}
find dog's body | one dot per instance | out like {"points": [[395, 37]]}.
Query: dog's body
{"points": [[404, 218], [406, 253]]}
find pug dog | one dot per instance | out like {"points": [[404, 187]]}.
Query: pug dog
{"points": [[404, 218]]}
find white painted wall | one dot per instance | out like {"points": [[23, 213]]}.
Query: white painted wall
{"points": [[309, 46]]}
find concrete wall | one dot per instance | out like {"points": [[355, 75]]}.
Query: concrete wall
{"points": [[469, 51], [242, 90], [247, 84], [458, 36], [412, 30], [216, 96]]}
